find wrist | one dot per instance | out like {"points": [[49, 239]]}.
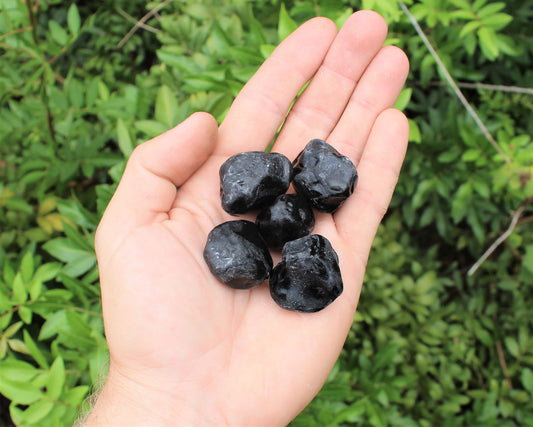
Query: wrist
{"points": [[124, 401]]}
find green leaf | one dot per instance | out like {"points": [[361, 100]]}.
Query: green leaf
{"points": [[150, 128], [25, 314], [221, 40], [19, 290], [74, 210], [56, 380], [403, 99], [21, 393], [73, 19], [12, 330], [488, 42], [59, 35], [461, 201], [124, 139], [65, 250], [470, 155], [79, 266], [26, 266], [527, 379], [266, 50], [414, 132], [385, 357], [469, 28], [527, 260], [286, 24], [18, 205], [37, 355], [512, 346], [18, 346], [482, 188], [17, 370], [53, 325], [166, 107], [36, 412], [75, 395], [497, 21], [490, 10], [46, 272], [3, 347]]}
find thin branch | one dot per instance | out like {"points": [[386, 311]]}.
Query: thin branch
{"points": [[18, 30], [452, 83], [499, 240], [498, 88], [33, 24], [132, 19], [142, 21], [503, 364]]}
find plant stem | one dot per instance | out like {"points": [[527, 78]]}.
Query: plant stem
{"points": [[499, 240], [33, 24], [503, 365], [497, 88]]}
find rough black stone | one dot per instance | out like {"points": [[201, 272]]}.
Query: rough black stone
{"points": [[288, 218], [237, 255], [324, 176], [252, 180], [308, 278]]}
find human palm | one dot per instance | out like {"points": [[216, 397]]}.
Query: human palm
{"points": [[184, 347]]}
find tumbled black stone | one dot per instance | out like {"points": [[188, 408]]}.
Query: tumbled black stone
{"points": [[308, 278], [252, 180], [289, 217], [237, 255], [324, 176]]}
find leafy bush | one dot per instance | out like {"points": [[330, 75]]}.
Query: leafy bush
{"points": [[83, 84]]}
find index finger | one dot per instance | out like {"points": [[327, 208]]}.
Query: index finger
{"points": [[261, 106]]}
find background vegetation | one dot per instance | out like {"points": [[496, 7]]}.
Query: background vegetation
{"points": [[82, 83]]}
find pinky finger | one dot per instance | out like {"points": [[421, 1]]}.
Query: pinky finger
{"points": [[358, 219]]}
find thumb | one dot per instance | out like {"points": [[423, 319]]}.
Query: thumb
{"points": [[149, 184]]}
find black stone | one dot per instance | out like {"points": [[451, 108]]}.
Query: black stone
{"points": [[252, 180], [308, 278], [324, 176], [237, 255], [288, 218]]}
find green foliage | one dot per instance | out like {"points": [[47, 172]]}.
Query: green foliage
{"points": [[430, 345]]}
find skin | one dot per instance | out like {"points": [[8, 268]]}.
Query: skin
{"points": [[184, 348]]}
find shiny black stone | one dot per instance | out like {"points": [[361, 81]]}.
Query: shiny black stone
{"points": [[324, 176], [288, 218], [237, 255], [308, 278], [252, 180]]}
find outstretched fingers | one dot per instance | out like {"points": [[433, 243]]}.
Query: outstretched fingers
{"points": [[155, 169]]}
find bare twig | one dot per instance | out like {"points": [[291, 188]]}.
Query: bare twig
{"points": [[452, 83], [18, 30], [503, 364], [132, 19], [33, 24], [142, 21], [498, 88], [499, 240]]}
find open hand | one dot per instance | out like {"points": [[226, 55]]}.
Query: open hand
{"points": [[186, 349]]}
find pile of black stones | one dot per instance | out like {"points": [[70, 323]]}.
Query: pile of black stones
{"points": [[308, 278]]}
